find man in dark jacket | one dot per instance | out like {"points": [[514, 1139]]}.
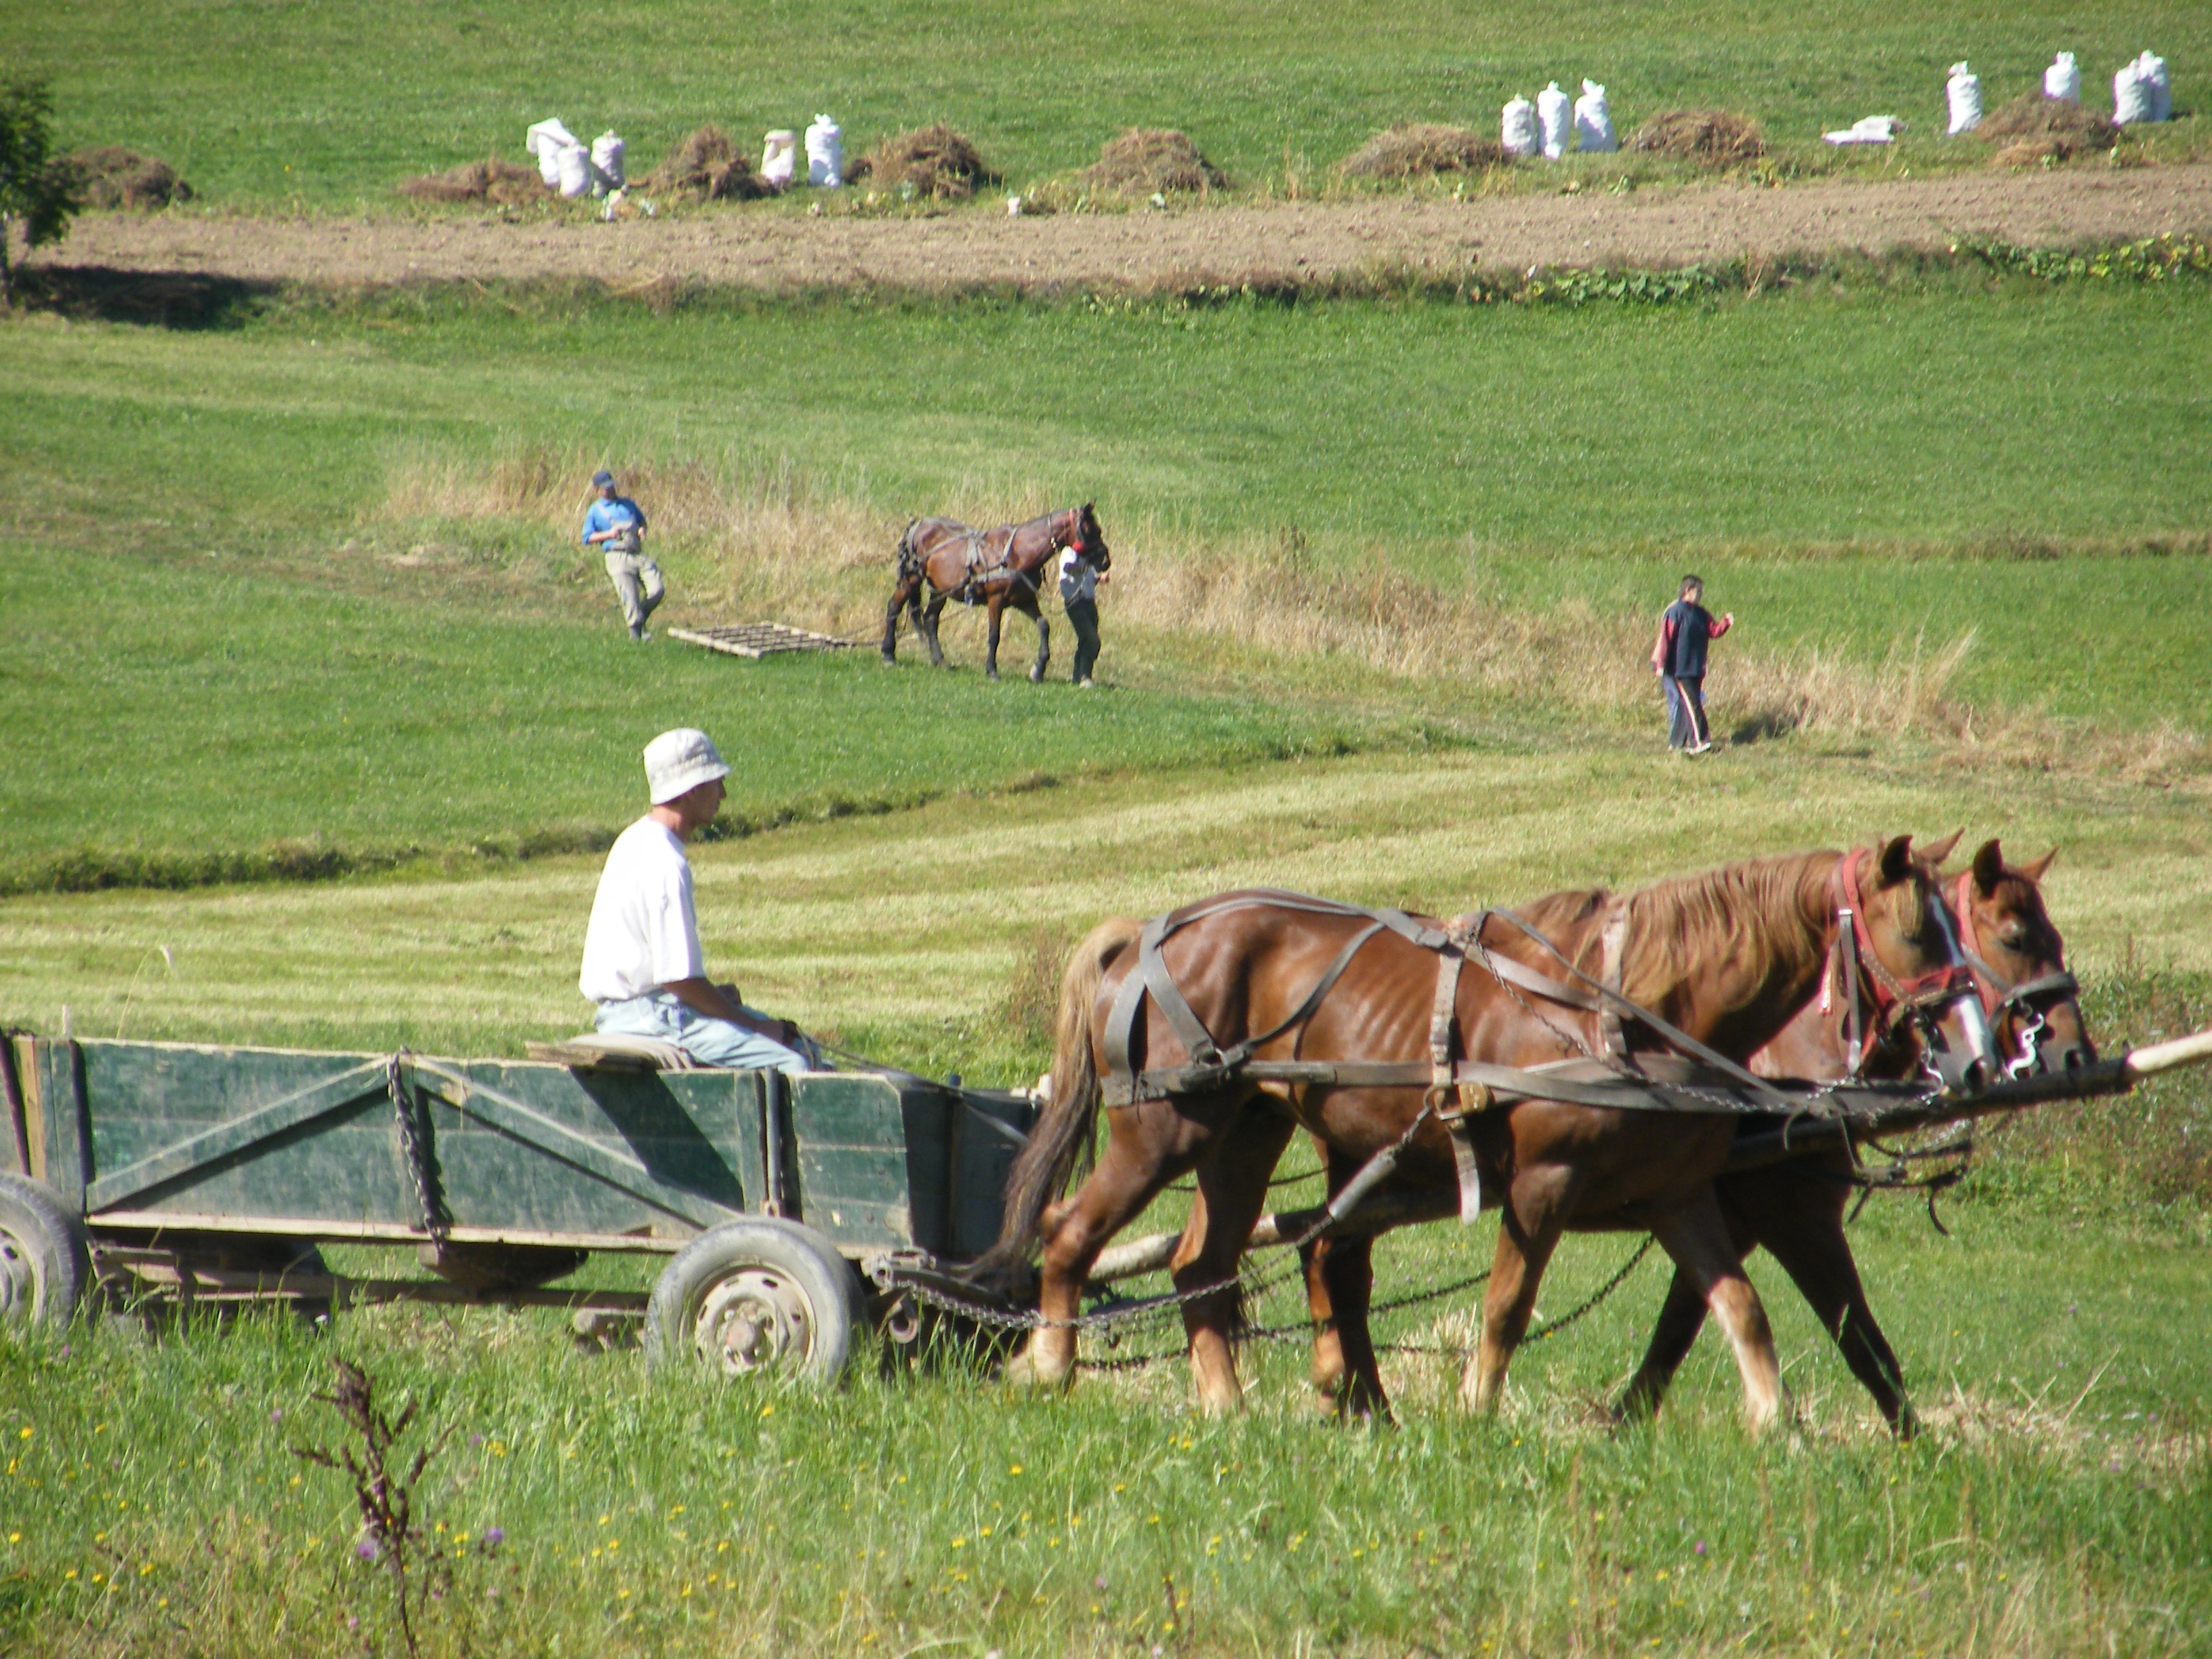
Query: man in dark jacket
{"points": [[1679, 659]]}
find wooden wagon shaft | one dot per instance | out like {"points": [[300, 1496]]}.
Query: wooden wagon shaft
{"points": [[1389, 1211]]}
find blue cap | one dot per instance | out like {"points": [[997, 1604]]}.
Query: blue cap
{"points": [[602, 479]]}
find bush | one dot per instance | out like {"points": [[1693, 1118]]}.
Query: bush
{"points": [[36, 186]]}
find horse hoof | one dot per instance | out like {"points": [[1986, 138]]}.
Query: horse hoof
{"points": [[1025, 1374], [1036, 677]]}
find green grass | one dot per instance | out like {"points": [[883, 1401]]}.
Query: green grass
{"points": [[2057, 1504], [270, 104], [208, 494]]}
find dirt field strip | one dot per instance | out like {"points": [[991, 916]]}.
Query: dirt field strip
{"points": [[1298, 241]]}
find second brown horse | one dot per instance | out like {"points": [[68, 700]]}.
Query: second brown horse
{"points": [[1727, 958]]}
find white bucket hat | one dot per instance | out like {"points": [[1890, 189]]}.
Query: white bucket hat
{"points": [[678, 761]]}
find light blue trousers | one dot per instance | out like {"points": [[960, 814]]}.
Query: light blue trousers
{"points": [[710, 1042]]}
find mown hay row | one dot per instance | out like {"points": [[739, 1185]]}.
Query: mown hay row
{"points": [[488, 180], [935, 162], [2033, 129], [113, 177], [1151, 161], [1421, 149], [1711, 138]]}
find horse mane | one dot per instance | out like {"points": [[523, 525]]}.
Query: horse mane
{"points": [[1724, 914]]}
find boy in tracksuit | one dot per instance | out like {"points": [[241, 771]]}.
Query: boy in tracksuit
{"points": [[1679, 659]]}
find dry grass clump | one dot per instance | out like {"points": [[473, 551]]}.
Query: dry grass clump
{"points": [[2033, 129], [1151, 161], [113, 177], [707, 167], [488, 180], [1417, 149], [939, 163], [1712, 137]]}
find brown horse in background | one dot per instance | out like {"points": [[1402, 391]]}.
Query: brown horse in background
{"points": [[1796, 1209], [1727, 957], [995, 569]]}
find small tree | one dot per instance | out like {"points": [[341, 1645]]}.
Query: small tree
{"points": [[36, 186]]}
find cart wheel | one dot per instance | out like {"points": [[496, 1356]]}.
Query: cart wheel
{"points": [[755, 1296], [44, 1264]]}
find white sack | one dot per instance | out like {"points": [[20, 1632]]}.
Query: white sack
{"points": [[825, 154], [573, 166], [1552, 110], [2131, 99], [778, 152], [548, 136], [1593, 121], [1519, 135], [1867, 130], [2151, 74], [2063, 80], [607, 161], [1964, 88]]}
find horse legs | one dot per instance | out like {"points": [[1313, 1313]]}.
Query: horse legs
{"points": [[1697, 1236], [1533, 1215], [1147, 1147], [904, 596], [1346, 1272], [926, 622], [1045, 642], [992, 608], [1232, 1189], [1681, 1316], [1815, 1254]]}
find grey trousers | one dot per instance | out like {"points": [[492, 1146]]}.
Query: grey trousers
{"points": [[637, 585]]}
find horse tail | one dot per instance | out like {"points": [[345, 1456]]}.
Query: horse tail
{"points": [[909, 560], [1059, 1146]]}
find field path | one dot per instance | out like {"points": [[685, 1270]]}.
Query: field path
{"points": [[1297, 242]]}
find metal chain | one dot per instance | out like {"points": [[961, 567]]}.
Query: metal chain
{"points": [[436, 1218]]}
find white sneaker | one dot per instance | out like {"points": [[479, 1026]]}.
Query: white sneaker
{"points": [[1698, 749]]}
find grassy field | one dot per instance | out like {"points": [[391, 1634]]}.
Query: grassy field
{"points": [[2054, 1507], [288, 568], [329, 106]]}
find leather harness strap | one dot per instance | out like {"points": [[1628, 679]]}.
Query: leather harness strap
{"points": [[1998, 992]]}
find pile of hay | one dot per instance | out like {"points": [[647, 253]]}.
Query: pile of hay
{"points": [[113, 177], [939, 163], [1418, 149], [2033, 128], [1150, 161], [1711, 136], [707, 167], [489, 180]]}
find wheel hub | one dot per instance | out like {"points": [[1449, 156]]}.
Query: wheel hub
{"points": [[19, 1280], [753, 1321]]}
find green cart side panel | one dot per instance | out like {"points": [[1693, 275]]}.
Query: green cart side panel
{"points": [[983, 1157], [243, 1132], [695, 1135], [848, 1160]]}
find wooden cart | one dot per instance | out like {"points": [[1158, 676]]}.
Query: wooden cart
{"points": [[204, 1175]]}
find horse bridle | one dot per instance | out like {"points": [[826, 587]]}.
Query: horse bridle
{"points": [[1919, 999], [2028, 1000]]}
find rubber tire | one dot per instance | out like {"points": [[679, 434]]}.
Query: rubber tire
{"points": [[796, 1257], [39, 1232]]}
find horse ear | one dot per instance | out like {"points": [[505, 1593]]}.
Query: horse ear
{"points": [[1935, 852], [2034, 871], [1896, 861], [1989, 866]]}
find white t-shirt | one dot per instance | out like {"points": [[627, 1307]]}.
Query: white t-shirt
{"points": [[643, 932], [1079, 577]]}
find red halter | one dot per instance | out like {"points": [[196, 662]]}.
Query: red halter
{"points": [[1892, 998]]}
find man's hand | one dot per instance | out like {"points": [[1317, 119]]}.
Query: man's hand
{"points": [[720, 1002]]}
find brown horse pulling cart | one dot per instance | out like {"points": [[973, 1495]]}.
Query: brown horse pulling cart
{"points": [[1571, 1062]]}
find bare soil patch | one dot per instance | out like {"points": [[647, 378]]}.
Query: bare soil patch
{"points": [[1148, 250]]}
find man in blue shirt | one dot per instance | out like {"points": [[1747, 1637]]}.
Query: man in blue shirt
{"points": [[1678, 658], [618, 524]]}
